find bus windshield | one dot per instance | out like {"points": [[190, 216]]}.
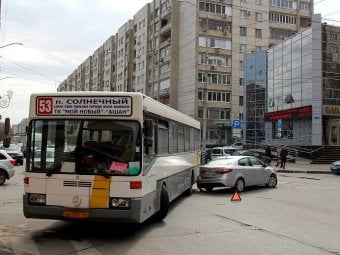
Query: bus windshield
{"points": [[96, 147]]}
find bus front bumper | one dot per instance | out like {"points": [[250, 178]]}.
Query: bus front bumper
{"points": [[133, 214]]}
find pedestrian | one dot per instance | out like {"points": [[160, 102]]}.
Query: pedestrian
{"points": [[278, 155], [283, 156], [268, 152]]}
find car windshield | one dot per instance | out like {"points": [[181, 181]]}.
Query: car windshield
{"points": [[100, 147]]}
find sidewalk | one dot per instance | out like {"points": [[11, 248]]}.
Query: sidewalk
{"points": [[303, 165]]}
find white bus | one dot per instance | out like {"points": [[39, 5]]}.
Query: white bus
{"points": [[113, 156]]}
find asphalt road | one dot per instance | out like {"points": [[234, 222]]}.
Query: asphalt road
{"points": [[300, 216]]}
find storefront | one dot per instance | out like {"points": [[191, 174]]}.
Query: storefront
{"points": [[331, 116]]}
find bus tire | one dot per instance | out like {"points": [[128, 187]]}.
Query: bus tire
{"points": [[188, 192], [163, 204]]}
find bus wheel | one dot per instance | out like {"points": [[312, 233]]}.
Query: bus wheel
{"points": [[188, 192], [164, 204]]}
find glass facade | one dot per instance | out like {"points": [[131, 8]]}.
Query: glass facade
{"points": [[290, 73], [255, 96]]}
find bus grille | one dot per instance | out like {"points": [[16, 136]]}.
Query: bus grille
{"points": [[77, 184]]}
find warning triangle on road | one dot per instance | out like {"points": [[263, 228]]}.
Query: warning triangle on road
{"points": [[236, 197]]}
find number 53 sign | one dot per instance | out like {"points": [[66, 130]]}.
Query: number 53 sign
{"points": [[44, 105]]}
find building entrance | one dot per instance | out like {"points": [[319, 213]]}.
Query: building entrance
{"points": [[334, 134]]}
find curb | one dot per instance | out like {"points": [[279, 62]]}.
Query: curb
{"points": [[304, 172]]}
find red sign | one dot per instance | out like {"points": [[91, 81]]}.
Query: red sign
{"points": [[300, 112], [44, 105]]}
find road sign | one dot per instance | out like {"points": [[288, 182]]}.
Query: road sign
{"points": [[236, 197], [236, 124], [279, 123]]}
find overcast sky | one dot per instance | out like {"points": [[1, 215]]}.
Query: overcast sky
{"points": [[58, 35]]}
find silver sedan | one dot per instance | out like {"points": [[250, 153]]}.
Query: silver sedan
{"points": [[236, 172]]}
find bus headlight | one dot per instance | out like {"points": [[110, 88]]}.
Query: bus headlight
{"points": [[122, 203], [37, 199]]}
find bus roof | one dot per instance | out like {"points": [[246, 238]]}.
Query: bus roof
{"points": [[54, 105]]}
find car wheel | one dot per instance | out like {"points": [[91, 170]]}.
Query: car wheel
{"points": [[164, 204], [272, 182], [2, 177], [239, 185], [209, 189]]}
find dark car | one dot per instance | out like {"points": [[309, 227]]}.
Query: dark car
{"points": [[257, 154], [15, 152]]}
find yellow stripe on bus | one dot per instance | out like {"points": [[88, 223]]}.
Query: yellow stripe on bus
{"points": [[100, 192]]}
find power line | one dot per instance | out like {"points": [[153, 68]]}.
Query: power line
{"points": [[28, 69]]}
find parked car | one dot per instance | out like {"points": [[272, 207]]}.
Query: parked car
{"points": [[257, 154], [6, 167], [15, 152], [222, 151], [237, 145], [335, 167], [236, 172]]}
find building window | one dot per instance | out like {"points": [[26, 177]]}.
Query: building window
{"points": [[216, 8], [334, 36], [243, 47], [258, 33], [243, 14], [304, 6], [214, 96], [281, 18], [258, 16], [241, 101], [243, 31], [219, 114], [241, 81], [258, 2], [241, 64]]}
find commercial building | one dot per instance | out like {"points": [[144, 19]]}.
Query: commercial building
{"points": [[189, 55], [303, 90]]}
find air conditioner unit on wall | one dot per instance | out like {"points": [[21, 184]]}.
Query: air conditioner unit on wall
{"points": [[212, 67]]}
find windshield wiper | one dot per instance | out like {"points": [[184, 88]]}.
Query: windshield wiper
{"points": [[54, 168]]}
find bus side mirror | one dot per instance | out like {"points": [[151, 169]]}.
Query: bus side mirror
{"points": [[7, 139], [148, 128], [148, 133], [7, 126]]}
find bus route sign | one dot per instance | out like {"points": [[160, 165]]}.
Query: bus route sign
{"points": [[84, 106]]}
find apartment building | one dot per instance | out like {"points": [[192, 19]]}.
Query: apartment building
{"points": [[189, 54]]}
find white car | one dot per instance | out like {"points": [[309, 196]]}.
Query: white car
{"points": [[222, 151], [236, 172], [237, 145], [7, 169]]}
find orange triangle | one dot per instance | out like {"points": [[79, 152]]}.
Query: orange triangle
{"points": [[236, 197]]}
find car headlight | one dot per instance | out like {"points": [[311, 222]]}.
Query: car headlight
{"points": [[123, 203], [37, 199]]}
